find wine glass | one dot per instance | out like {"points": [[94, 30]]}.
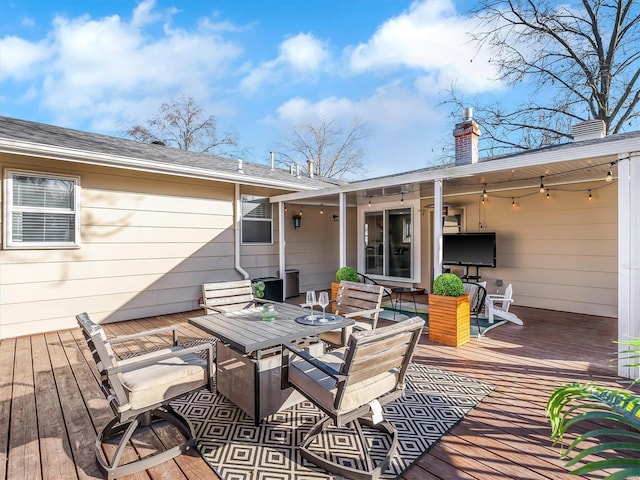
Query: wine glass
{"points": [[323, 301], [311, 301]]}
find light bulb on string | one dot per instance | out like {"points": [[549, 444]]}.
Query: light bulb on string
{"points": [[513, 202], [285, 207], [590, 196], [401, 198], [542, 189], [482, 198], [548, 197], [369, 201], [321, 209], [484, 191], [609, 176]]}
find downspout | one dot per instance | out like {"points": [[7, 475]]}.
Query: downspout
{"points": [[237, 217]]}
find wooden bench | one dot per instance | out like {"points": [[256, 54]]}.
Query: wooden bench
{"points": [[227, 296]]}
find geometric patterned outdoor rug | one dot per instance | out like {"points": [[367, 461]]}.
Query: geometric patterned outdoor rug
{"points": [[235, 448]]}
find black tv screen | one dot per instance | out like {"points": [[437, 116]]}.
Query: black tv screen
{"points": [[469, 249]]}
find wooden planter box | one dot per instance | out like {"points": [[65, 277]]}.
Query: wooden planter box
{"points": [[449, 320], [334, 295]]}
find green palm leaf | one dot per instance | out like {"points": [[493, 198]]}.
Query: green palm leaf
{"points": [[576, 403]]}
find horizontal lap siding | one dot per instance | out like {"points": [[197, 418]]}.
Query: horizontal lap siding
{"points": [[560, 253], [147, 245]]}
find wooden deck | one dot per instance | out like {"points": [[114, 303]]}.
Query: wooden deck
{"points": [[51, 405]]}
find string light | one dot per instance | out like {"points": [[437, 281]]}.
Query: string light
{"points": [[321, 209], [542, 189], [484, 191], [401, 198], [301, 211], [369, 201], [590, 197], [609, 176], [482, 198], [513, 202], [285, 207], [548, 197]]}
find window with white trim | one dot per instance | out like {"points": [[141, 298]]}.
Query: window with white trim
{"points": [[257, 220], [41, 210]]}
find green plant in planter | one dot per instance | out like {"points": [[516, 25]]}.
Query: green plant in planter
{"points": [[346, 273], [258, 289], [448, 285]]}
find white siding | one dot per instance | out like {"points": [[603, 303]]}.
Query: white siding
{"points": [[148, 243], [559, 254]]}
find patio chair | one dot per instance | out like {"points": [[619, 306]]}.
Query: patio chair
{"points": [[365, 279], [477, 294], [498, 306], [227, 296], [350, 386], [139, 390], [360, 301]]}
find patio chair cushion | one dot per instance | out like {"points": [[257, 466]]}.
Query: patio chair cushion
{"points": [[323, 389], [161, 381]]}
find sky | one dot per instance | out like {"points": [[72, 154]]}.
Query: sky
{"points": [[260, 67]]}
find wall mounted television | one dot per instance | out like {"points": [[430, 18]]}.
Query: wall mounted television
{"points": [[469, 249]]}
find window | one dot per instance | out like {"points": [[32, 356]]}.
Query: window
{"points": [[256, 220], [41, 210]]}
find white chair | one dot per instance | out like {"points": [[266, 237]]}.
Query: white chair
{"points": [[498, 306]]}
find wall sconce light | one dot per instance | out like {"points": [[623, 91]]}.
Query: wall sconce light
{"points": [[336, 218], [297, 221]]}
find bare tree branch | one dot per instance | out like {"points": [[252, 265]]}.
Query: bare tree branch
{"points": [[181, 123], [584, 60], [334, 151]]}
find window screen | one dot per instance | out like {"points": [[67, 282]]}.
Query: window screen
{"points": [[256, 220], [42, 210]]}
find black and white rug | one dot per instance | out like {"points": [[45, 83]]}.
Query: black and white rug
{"points": [[236, 449]]}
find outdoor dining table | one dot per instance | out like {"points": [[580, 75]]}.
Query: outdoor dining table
{"points": [[249, 353]]}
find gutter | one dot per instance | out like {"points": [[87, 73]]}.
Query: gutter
{"points": [[237, 215], [39, 150]]}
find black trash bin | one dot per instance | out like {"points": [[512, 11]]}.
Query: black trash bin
{"points": [[293, 283], [272, 288]]}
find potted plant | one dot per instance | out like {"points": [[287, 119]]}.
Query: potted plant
{"points": [[343, 273], [617, 441], [258, 289], [449, 311]]}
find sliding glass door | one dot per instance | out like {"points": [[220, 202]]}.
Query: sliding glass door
{"points": [[388, 240]]}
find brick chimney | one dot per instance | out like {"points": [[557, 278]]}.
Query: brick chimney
{"points": [[466, 134]]}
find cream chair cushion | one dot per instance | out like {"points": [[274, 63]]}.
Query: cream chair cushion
{"points": [[322, 388], [156, 383]]}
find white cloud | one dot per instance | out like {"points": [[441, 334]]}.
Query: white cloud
{"points": [[403, 125], [430, 37], [299, 57], [104, 67], [21, 59], [303, 53]]}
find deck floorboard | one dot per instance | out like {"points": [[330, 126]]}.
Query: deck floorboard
{"points": [[50, 391]]}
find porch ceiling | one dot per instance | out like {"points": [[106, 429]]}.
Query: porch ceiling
{"points": [[508, 178]]}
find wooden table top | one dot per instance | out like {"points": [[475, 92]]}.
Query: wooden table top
{"points": [[245, 330]]}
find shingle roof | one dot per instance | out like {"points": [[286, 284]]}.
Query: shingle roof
{"points": [[17, 130]]}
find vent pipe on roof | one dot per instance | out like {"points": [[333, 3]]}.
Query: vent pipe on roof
{"points": [[273, 160], [297, 170], [240, 170], [467, 115], [588, 130], [310, 164]]}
